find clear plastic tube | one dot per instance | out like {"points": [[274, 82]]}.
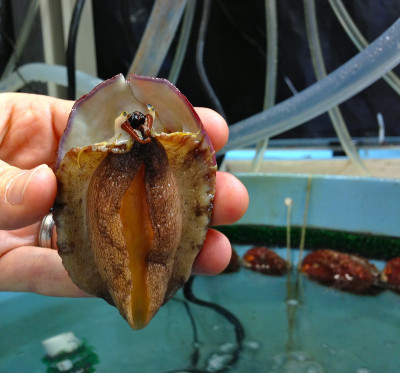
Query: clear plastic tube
{"points": [[271, 23], [358, 39], [358, 73], [319, 67], [271, 19], [41, 72], [200, 60], [23, 37], [183, 42], [157, 38]]}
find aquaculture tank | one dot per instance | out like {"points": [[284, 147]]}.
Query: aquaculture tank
{"points": [[314, 281], [244, 320]]}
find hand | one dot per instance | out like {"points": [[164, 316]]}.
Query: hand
{"points": [[30, 129]]}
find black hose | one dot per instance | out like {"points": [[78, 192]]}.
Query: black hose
{"points": [[239, 331], [71, 48], [196, 354]]}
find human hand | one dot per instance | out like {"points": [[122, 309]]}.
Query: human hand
{"points": [[30, 129]]}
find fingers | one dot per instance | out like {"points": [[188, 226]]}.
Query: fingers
{"points": [[214, 256], [37, 270], [215, 126], [231, 199], [230, 203], [25, 195], [60, 110]]}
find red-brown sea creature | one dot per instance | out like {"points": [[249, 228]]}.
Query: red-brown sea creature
{"points": [[342, 271], [264, 260], [391, 274]]}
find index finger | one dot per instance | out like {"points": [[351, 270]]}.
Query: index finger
{"points": [[215, 126]]}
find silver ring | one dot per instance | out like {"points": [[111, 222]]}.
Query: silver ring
{"points": [[46, 231]]}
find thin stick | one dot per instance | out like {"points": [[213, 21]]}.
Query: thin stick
{"points": [[303, 227], [288, 202]]}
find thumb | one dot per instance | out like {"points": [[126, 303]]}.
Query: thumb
{"points": [[25, 195]]}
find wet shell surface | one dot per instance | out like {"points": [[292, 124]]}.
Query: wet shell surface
{"points": [[136, 177]]}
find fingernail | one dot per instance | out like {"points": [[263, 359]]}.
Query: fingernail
{"points": [[16, 187]]}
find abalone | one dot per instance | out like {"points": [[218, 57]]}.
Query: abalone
{"points": [[136, 183]]}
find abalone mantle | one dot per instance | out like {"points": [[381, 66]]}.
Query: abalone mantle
{"points": [[132, 217]]}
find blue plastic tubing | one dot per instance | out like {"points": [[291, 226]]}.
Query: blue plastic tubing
{"points": [[352, 77]]}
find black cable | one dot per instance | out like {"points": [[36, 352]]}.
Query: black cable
{"points": [[71, 47], [239, 331], [196, 353]]}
